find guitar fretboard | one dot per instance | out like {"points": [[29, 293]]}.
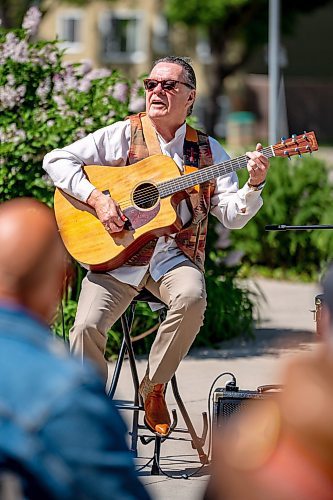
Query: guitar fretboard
{"points": [[172, 186]]}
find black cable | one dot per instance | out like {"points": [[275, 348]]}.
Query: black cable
{"points": [[145, 465], [231, 384]]}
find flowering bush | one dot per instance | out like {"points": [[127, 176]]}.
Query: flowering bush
{"points": [[45, 103]]}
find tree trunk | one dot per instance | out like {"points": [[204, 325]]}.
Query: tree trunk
{"points": [[215, 90]]}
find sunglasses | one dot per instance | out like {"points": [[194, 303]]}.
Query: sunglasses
{"points": [[167, 85]]}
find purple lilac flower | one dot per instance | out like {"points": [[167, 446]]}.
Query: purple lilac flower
{"points": [[60, 102], [65, 81], [84, 84], [47, 180], [120, 92], [88, 122], [13, 134], [11, 79], [70, 81], [97, 73], [44, 89], [84, 67], [14, 49], [111, 114], [11, 96], [137, 104], [41, 115], [31, 20], [45, 56], [58, 84], [80, 133]]}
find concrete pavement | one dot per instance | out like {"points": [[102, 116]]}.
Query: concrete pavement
{"points": [[286, 327]]}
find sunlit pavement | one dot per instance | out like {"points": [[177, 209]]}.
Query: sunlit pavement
{"points": [[286, 328]]}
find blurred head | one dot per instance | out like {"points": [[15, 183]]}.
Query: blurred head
{"points": [[32, 257], [171, 102]]}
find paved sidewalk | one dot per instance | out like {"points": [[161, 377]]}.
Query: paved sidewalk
{"points": [[286, 328]]}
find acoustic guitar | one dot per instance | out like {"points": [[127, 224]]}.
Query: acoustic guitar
{"points": [[148, 193]]}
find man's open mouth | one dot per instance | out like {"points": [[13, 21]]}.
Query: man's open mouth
{"points": [[157, 103]]}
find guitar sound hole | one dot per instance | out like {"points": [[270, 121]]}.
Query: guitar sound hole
{"points": [[145, 195]]}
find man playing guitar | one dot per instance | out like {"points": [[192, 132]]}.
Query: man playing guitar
{"points": [[170, 267]]}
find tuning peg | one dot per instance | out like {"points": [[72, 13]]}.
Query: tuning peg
{"points": [[294, 136], [305, 136], [286, 153], [283, 140], [309, 149], [297, 150]]}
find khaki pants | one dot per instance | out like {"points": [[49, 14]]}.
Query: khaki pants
{"points": [[104, 299]]}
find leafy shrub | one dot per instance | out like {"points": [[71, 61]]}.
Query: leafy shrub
{"points": [[297, 193]]}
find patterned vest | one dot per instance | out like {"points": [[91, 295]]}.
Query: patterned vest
{"points": [[196, 153]]}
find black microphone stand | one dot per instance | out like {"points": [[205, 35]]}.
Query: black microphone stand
{"points": [[285, 227]]}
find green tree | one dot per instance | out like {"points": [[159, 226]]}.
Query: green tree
{"points": [[234, 29]]}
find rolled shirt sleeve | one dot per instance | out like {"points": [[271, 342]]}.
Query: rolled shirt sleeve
{"points": [[232, 206]]}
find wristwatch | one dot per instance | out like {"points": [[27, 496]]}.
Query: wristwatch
{"points": [[257, 187]]}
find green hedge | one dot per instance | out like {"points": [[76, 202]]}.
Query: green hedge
{"points": [[297, 192]]}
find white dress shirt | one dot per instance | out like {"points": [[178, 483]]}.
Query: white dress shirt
{"points": [[233, 207]]}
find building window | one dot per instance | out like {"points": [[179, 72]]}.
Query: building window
{"points": [[69, 31], [123, 37], [161, 42]]}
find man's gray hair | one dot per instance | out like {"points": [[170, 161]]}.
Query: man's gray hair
{"points": [[184, 62]]}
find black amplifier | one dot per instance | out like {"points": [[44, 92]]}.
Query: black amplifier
{"points": [[230, 400]]}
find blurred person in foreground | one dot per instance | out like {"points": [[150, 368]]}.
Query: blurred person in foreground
{"points": [[58, 432], [282, 449]]}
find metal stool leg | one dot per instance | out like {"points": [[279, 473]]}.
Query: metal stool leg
{"points": [[127, 326], [126, 346], [155, 469], [117, 370]]}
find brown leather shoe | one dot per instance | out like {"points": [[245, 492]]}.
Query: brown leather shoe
{"points": [[157, 417]]}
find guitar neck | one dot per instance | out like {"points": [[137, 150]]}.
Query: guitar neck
{"points": [[173, 186]]}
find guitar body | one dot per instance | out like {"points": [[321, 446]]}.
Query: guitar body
{"points": [[148, 216]]}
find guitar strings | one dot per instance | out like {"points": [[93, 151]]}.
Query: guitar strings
{"points": [[228, 166], [167, 188]]}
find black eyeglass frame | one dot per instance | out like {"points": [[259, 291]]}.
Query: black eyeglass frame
{"points": [[163, 83]]}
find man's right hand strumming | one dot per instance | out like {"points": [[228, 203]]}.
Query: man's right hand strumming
{"points": [[107, 210]]}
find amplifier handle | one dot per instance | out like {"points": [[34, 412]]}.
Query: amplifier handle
{"points": [[273, 387]]}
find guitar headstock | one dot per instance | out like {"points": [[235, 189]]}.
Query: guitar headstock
{"points": [[296, 145]]}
